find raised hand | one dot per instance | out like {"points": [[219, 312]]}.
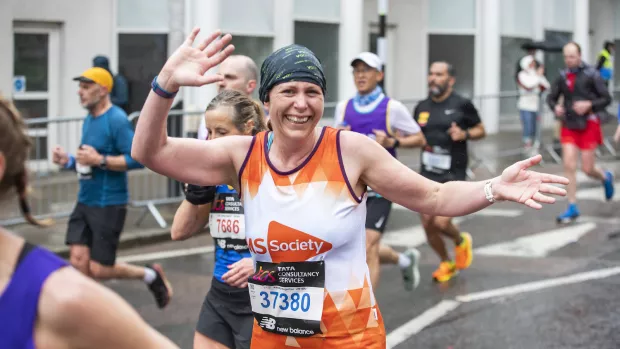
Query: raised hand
{"points": [[187, 65], [527, 187]]}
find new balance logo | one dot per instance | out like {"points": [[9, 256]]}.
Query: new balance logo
{"points": [[268, 323]]}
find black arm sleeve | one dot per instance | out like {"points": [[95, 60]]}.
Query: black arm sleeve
{"points": [[554, 95]]}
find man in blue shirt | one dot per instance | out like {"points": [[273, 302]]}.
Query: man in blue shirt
{"points": [[102, 162]]}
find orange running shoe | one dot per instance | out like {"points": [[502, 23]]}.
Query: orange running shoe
{"points": [[463, 253], [445, 271]]}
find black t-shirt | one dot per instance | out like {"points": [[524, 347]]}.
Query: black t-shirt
{"points": [[443, 159]]}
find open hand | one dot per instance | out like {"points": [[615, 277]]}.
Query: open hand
{"points": [[239, 273], [527, 187], [187, 65]]}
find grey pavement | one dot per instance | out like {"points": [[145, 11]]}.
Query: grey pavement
{"points": [[579, 315]]}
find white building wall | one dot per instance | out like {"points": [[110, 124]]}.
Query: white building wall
{"points": [[407, 45], [6, 41], [86, 31]]}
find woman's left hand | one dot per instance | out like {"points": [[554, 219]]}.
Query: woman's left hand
{"points": [[519, 184], [239, 273]]}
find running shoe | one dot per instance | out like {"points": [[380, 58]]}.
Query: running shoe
{"points": [[608, 184], [160, 287], [411, 274], [463, 253], [445, 271], [570, 215]]}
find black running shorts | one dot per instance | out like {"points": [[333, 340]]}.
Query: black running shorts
{"points": [[377, 212], [226, 316], [99, 228]]}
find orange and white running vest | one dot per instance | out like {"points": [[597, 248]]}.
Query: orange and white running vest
{"points": [[306, 232]]}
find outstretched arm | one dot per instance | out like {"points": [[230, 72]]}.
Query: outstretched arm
{"points": [[187, 160], [372, 165], [83, 314]]}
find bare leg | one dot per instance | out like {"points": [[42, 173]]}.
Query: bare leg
{"points": [[433, 236], [588, 165], [387, 255], [117, 271], [448, 229], [570, 154]]}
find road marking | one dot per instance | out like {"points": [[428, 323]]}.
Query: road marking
{"points": [[415, 236], [488, 212], [166, 254], [540, 244], [417, 324], [539, 285]]}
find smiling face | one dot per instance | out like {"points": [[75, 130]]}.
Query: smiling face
{"points": [[295, 108]]}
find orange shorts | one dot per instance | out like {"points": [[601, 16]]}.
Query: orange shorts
{"points": [[587, 139]]}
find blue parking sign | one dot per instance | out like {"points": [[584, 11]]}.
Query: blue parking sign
{"points": [[19, 83]]}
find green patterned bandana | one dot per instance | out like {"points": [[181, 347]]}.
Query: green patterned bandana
{"points": [[290, 63]]}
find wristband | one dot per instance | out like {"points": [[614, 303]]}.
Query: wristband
{"points": [[71, 162], [396, 143], [488, 192], [160, 91]]}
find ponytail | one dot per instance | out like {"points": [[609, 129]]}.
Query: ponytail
{"points": [[21, 186], [14, 146]]}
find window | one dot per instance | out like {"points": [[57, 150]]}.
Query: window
{"points": [[35, 61], [31, 53], [452, 14], [139, 72], [257, 48], [554, 61], [444, 47], [322, 39]]}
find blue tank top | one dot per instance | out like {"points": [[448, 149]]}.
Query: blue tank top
{"points": [[227, 226], [20, 300]]}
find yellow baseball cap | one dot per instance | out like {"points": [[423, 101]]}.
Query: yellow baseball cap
{"points": [[97, 75]]}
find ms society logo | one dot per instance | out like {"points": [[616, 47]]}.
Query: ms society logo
{"points": [[288, 244]]}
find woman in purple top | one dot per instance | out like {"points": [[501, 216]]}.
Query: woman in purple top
{"points": [[44, 303]]}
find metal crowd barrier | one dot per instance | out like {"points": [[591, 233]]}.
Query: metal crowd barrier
{"points": [[55, 191]]}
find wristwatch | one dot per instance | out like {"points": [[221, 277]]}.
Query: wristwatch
{"points": [[466, 135], [396, 143], [103, 164]]}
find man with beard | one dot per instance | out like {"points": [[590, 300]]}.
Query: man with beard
{"points": [[448, 121]]}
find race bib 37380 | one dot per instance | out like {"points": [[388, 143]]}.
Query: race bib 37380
{"points": [[287, 298]]}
